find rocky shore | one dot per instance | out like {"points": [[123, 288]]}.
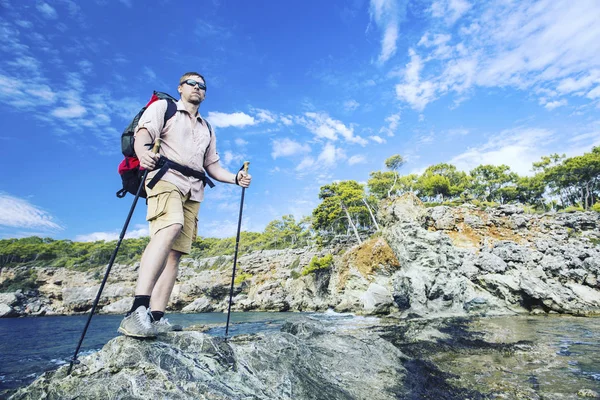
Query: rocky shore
{"points": [[438, 261], [453, 303]]}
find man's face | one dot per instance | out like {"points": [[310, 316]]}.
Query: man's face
{"points": [[190, 91]]}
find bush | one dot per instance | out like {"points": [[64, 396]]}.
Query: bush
{"points": [[572, 209], [24, 280], [317, 264], [241, 278], [596, 207]]}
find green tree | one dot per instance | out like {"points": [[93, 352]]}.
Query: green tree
{"points": [[443, 180], [341, 209], [490, 182], [394, 163]]}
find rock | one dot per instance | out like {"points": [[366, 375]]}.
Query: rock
{"points": [[508, 209], [443, 217], [9, 299], [118, 307], [202, 304], [377, 299], [305, 361], [473, 221], [490, 263], [6, 310], [510, 251]]}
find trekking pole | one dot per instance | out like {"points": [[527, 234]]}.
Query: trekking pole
{"points": [[74, 359], [237, 242]]}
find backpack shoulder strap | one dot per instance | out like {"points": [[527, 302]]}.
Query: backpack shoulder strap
{"points": [[209, 128], [171, 110]]}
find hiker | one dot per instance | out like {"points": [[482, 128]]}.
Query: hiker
{"points": [[173, 200]]}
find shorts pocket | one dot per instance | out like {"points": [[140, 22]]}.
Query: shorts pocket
{"points": [[157, 205], [195, 235]]}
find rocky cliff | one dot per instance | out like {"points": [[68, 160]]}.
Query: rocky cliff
{"points": [[426, 261]]}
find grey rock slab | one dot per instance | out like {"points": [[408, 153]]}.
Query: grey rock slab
{"points": [[304, 361]]}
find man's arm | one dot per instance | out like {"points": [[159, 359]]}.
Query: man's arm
{"points": [[144, 152], [219, 173]]}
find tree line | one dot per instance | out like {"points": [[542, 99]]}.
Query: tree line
{"points": [[349, 209], [558, 183]]}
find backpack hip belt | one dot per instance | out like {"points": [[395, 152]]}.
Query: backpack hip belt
{"points": [[164, 164]]}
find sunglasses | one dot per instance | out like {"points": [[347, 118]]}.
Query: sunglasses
{"points": [[192, 82]]}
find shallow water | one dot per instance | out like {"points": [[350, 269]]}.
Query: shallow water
{"points": [[33, 345], [529, 357], [548, 357]]}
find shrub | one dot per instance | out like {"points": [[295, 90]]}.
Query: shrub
{"points": [[572, 209], [241, 278], [317, 264], [24, 280], [295, 264], [596, 207]]}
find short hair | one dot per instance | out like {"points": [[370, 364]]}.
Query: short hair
{"points": [[185, 76]]}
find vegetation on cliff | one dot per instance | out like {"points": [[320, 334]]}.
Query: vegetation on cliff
{"points": [[348, 210]]}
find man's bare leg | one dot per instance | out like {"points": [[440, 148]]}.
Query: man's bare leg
{"points": [[164, 286], [154, 259]]}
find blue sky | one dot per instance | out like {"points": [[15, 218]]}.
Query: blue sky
{"points": [[308, 91]]}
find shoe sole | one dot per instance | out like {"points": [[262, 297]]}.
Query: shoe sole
{"points": [[126, 333]]}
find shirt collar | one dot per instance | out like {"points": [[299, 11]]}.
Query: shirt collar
{"points": [[181, 107]]}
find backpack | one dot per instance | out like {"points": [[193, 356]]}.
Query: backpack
{"points": [[129, 169]]}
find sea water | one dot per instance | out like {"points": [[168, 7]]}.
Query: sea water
{"points": [[30, 346]]}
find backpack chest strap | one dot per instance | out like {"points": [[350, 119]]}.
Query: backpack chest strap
{"points": [[164, 164]]}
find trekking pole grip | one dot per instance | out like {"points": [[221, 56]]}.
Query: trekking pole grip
{"points": [[156, 146], [246, 164]]}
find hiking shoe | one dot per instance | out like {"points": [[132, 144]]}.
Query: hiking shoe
{"points": [[163, 326], [138, 325]]}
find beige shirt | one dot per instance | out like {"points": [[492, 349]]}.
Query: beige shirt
{"points": [[181, 142]]}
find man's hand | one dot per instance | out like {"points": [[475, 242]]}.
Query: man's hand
{"points": [[149, 159], [243, 179]]}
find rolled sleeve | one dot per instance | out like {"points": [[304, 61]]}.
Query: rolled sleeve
{"points": [[153, 119], [211, 156]]}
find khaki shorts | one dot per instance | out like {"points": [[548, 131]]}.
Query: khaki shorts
{"points": [[167, 206]]}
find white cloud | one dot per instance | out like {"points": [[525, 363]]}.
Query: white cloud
{"points": [[223, 120], [386, 15], [228, 157], [287, 120], [72, 111], [140, 231], [449, 10], [150, 74], [554, 104], [594, 93], [288, 147], [517, 148], [377, 139], [414, 91], [225, 229], [351, 105], [19, 213], [265, 116], [306, 164], [46, 10], [240, 142], [575, 84], [330, 155], [357, 159], [546, 45], [323, 126]]}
